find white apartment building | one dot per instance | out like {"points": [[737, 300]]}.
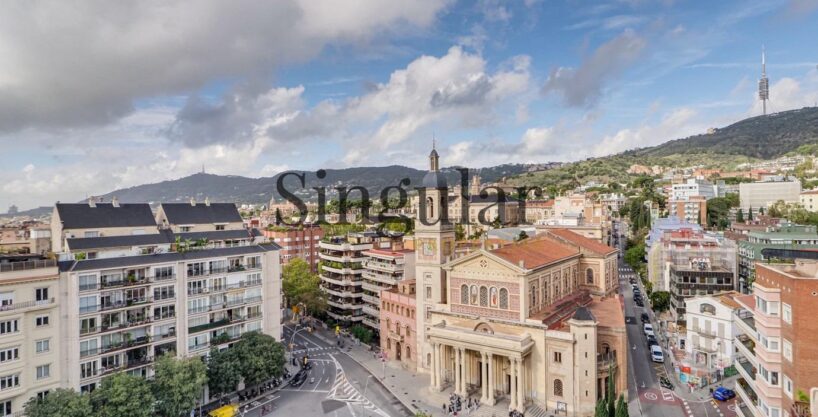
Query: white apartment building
{"points": [[694, 187], [30, 342], [762, 194], [386, 265], [809, 200], [340, 271], [710, 331], [136, 288]]}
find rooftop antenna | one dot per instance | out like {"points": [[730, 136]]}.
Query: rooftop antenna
{"points": [[764, 82]]}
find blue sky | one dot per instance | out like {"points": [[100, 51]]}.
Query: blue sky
{"points": [[95, 97]]}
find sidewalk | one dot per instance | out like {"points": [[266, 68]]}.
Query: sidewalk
{"points": [[410, 388], [233, 397]]}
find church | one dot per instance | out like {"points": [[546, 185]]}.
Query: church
{"points": [[534, 325]]}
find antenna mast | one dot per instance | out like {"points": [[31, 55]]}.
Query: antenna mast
{"points": [[763, 83]]}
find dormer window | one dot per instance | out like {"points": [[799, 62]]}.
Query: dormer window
{"points": [[219, 227], [92, 233], [185, 228]]}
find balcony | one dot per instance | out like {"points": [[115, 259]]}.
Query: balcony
{"points": [[239, 301], [801, 409], [27, 265], [33, 305], [745, 392], [366, 285], [125, 344], [374, 312], [163, 277], [705, 348], [105, 306], [746, 347], [710, 334], [343, 317], [383, 266], [390, 280], [395, 336], [217, 323], [343, 305], [130, 281], [744, 320], [605, 362], [339, 280], [370, 322], [371, 299], [342, 294], [746, 370], [124, 324], [742, 410]]}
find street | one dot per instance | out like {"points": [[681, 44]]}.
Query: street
{"points": [[336, 386], [643, 381]]}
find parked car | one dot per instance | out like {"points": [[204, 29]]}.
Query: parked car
{"points": [[299, 378], [656, 354], [647, 327], [652, 340], [723, 394], [640, 303], [665, 383], [645, 318]]}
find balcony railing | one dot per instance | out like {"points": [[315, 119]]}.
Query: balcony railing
{"points": [[705, 333], [124, 344], [125, 324], [127, 282], [217, 323], [126, 303], [605, 361], [27, 304], [27, 265], [801, 409]]}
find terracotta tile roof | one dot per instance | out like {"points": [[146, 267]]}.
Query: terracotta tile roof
{"points": [[581, 241], [748, 300], [729, 299], [535, 252], [809, 192]]}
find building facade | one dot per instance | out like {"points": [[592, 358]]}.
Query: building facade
{"points": [[776, 350], [386, 266], [692, 209], [193, 280], [297, 242], [340, 270], [782, 236], [30, 340], [710, 333], [753, 195], [398, 324]]}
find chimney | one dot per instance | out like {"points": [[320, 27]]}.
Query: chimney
{"points": [[115, 201], [207, 201], [522, 263], [91, 202], [193, 202]]}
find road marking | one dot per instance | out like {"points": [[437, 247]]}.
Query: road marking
{"points": [[651, 396], [666, 395]]}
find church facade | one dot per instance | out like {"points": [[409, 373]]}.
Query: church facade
{"points": [[537, 323]]}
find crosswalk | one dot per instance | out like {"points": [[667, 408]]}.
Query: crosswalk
{"points": [[343, 391], [315, 350]]}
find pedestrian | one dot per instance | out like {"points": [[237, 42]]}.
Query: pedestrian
{"points": [[444, 407]]}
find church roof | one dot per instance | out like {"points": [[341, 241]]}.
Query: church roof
{"points": [[435, 179], [582, 241], [535, 252], [583, 314]]}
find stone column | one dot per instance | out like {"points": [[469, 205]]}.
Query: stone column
{"points": [[520, 385], [457, 370], [491, 378], [483, 378], [463, 371], [512, 403], [435, 367]]}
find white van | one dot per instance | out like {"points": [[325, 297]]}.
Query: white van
{"points": [[656, 354]]}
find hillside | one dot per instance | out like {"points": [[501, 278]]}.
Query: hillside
{"points": [[749, 140], [259, 190]]}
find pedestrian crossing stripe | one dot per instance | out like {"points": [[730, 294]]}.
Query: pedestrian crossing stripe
{"points": [[343, 391]]}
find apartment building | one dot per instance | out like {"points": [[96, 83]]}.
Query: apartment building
{"points": [[297, 242], [708, 340], [398, 324], [30, 342], [776, 345], [340, 269], [753, 195], [672, 253], [192, 280], [694, 187], [692, 209], [785, 235], [809, 200], [385, 266]]}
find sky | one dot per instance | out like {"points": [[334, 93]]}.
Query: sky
{"points": [[97, 96]]}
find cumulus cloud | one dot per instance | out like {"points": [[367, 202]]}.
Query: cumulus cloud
{"points": [[583, 86], [678, 123], [84, 63]]}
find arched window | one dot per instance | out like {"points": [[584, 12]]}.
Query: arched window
{"points": [[558, 387], [504, 298], [430, 207], [408, 352], [545, 292], [606, 348], [589, 276], [388, 343], [464, 294], [707, 308], [473, 295], [533, 295], [484, 297]]}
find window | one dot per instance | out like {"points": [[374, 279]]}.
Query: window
{"points": [[88, 304], [88, 369], [9, 381], [43, 345], [185, 228], [589, 276], [163, 293], [88, 282], [473, 294], [504, 298], [9, 354], [558, 357], [786, 313], [41, 294], [6, 298], [42, 394], [219, 227], [787, 350], [9, 326], [558, 387], [5, 408], [464, 293], [788, 386], [43, 371], [88, 348], [40, 321], [484, 297], [91, 234]]}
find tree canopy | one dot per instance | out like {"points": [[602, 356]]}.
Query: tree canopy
{"points": [[60, 402], [302, 286], [177, 383], [123, 395]]}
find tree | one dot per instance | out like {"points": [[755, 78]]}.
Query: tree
{"points": [[123, 395], [601, 408], [740, 216], [621, 407], [259, 357], [660, 301], [301, 286], [750, 214], [177, 384], [59, 403], [522, 235], [459, 232], [222, 371], [761, 211], [611, 392]]}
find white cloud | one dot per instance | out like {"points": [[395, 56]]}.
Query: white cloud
{"points": [[678, 123]]}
